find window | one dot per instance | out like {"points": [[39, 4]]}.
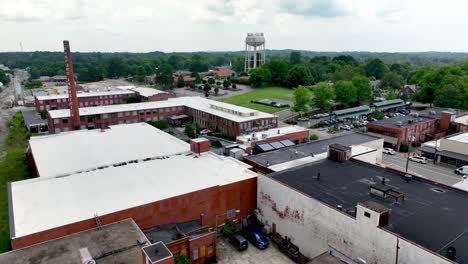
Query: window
{"points": [[104, 116], [127, 113], [65, 121], [134, 113], [120, 114], [167, 110], [195, 253], [209, 249], [367, 214]]}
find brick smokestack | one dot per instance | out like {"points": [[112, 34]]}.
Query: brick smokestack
{"points": [[72, 97]]}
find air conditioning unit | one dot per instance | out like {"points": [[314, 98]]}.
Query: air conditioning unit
{"points": [[399, 123], [264, 136]]}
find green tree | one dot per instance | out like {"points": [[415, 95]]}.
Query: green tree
{"points": [[216, 90], [117, 67], [226, 84], [345, 92], [377, 114], [299, 75], [278, 70], [198, 78], [161, 124], [211, 80], [323, 96], [198, 63], [313, 137], [376, 68], [345, 59], [301, 99], [451, 96], [260, 76], [295, 57], [180, 81], [392, 81], [176, 61], [207, 89], [192, 130], [363, 88], [164, 75]]}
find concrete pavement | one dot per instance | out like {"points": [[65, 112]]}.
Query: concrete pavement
{"points": [[430, 171]]}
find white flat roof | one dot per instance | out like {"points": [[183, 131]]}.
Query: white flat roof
{"points": [[84, 94], [147, 92], [195, 102], [462, 120], [463, 138], [44, 203], [80, 150], [272, 133]]}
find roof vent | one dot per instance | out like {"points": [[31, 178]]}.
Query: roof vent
{"points": [[92, 261], [399, 123], [451, 253], [432, 112]]}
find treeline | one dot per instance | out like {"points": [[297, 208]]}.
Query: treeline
{"points": [[4, 77], [97, 66]]}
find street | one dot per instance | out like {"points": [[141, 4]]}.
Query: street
{"points": [[430, 171]]}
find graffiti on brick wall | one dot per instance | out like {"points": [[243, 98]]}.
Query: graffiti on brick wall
{"points": [[287, 213]]}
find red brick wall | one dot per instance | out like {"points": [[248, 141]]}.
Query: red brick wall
{"points": [[202, 244], [209, 202], [200, 147], [87, 101]]}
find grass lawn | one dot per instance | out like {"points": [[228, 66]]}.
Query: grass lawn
{"points": [[259, 94], [12, 168]]}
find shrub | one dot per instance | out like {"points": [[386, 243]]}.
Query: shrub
{"points": [[318, 125], [161, 124], [229, 228], [377, 114], [181, 259], [314, 137]]}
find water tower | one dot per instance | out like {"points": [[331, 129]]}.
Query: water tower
{"points": [[254, 51]]}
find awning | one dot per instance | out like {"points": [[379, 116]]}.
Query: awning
{"points": [[428, 149], [452, 155]]}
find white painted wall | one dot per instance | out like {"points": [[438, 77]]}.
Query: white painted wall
{"points": [[315, 227], [454, 146]]}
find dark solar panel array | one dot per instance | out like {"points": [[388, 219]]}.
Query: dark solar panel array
{"points": [[274, 145]]}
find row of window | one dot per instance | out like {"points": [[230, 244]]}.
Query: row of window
{"points": [[65, 100]]}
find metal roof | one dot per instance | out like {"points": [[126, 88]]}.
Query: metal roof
{"points": [[360, 110]]}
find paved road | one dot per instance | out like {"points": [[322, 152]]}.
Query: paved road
{"points": [[430, 171]]}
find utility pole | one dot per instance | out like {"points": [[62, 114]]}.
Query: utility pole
{"points": [[410, 141]]}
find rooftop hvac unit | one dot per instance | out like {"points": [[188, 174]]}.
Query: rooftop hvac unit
{"points": [[264, 136], [399, 123], [432, 112]]}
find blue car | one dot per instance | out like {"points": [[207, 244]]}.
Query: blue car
{"points": [[257, 238]]}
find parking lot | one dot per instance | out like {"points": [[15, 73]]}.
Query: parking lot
{"points": [[227, 254]]}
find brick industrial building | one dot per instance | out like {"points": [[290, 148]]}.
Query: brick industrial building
{"points": [[229, 119], [295, 134], [157, 186], [416, 127], [61, 101], [98, 98]]}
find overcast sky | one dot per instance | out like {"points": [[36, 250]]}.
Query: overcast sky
{"points": [[219, 25]]}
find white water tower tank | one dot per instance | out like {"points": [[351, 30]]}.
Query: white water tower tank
{"points": [[254, 51]]}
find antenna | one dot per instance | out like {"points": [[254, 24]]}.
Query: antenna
{"points": [[21, 46], [72, 98]]}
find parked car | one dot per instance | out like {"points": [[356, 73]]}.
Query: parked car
{"points": [[238, 241], [205, 131], [303, 119], [388, 151], [404, 112], [386, 117], [257, 238], [365, 122], [419, 159], [462, 170], [327, 122]]}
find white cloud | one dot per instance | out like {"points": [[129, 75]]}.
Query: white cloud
{"points": [[187, 25]]}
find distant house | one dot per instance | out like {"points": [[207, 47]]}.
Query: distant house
{"points": [[408, 90], [375, 84], [150, 79]]}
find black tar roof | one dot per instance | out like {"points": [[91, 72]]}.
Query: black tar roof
{"points": [[170, 232], [304, 150], [433, 216]]}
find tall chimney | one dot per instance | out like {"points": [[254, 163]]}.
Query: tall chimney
{"points": [[72, 97]]}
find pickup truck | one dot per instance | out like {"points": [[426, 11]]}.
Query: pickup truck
{"points": [[462, 170]]}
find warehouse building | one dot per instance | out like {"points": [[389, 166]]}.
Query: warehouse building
{"points": [[362, 213], [154, 190], [85, 150], [229, 119], [85, 99], [146, 94], [364, 147]]}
